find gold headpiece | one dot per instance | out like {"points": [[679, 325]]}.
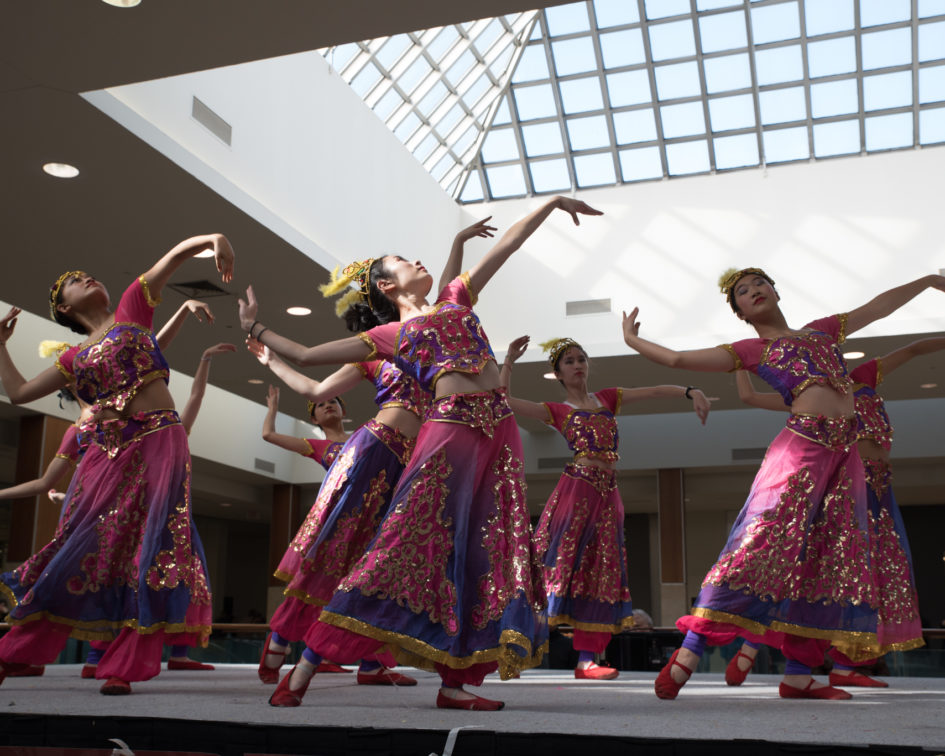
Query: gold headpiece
{"points": [[354, 273], [48, 347], [557, 347], [56, 287], [732, 276]]}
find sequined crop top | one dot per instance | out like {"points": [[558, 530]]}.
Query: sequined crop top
{"points": [[109, 372], [323, 451], [792, 363], [395, 388], [589, 432], [448, 339], [872, 421], [69, 449]]}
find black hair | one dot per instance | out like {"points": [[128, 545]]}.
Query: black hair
{"points": [[66, 395], [64, 320], [360, 316]]}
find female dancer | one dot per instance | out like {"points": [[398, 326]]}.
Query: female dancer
{"points": [[449, 582], [899, 627], [327, 414], [795, 571], [579, 540], [129, 565]]}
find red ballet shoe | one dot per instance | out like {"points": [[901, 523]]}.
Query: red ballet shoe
{"points": [[88, 672], [384, 676], [735, 675], [285, 696], [595, 672], [9, 669], [189, 664], [665, 686], [476, 703], [269, 675], [856, 679], [327, 667], [30, 670], [826, 693], [115, 686]]}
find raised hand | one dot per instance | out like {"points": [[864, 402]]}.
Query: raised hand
{"points": [[7, 324], [223, 257], [200, 310], [260, 351], [248, 309], [575, 207], [517, 348], [218, 349], [479, 228], [272, 398], [631, 326]]}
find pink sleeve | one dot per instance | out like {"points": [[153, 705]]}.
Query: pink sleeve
{"points": [[382, 339], [610, 398], [318, 448], [458, 291], [746, 353], [834, 325], [556, 414], [136, 305], [867, 374], [64, 363], [369, 369], [69, 446]]}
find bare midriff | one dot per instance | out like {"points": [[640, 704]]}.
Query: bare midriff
{"points": [[823, 400], [402, 419]]}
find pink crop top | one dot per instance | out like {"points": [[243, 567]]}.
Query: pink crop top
{"points": [[323, 451], [792, 363], [394, 387], [110, 371], [69, 446], [872, 421], [448, 339], [589, 432]]}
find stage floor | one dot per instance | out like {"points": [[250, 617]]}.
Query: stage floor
{"points": [[911, 712]]}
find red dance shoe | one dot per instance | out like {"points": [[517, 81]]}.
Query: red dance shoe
{"points": [[30, 670], [189, 664], [8, 669], [269, 675], [384, 676], [327, 667], [735, 675], [115, 686], [595, 672], [855, 680], [665, 686], [285, 696], [88, 672], [826, 693], [476, 703]]}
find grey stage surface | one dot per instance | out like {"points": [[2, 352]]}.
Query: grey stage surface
{"points": [[911, 712]]}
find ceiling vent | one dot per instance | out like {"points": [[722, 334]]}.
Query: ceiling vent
{"points": [[198, 289], [553, 463], [265, 465], [211, 122], [749, 454], [587, 307]]}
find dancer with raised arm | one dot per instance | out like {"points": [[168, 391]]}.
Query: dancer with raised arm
{"points": [[795, 571], [449, 582], [579, 539], [128, 566], [899, 627]]}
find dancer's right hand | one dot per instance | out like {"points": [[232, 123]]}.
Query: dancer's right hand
{"points": [[199, 310], [8, 324], [248, 309], [517, 348], [260, 351]]}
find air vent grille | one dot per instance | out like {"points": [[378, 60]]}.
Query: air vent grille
{"points": [[265, 465], [198, 289], [587, 307], [748, 454], [553, 463]]}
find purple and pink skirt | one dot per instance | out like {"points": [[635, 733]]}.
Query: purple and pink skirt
{"points": [[579, 542], [450, 582], [126, 556], [351, 503], [795, 572]]}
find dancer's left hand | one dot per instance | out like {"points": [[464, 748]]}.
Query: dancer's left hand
{"points": [[249, 309], [8, 324], [701, 404]]}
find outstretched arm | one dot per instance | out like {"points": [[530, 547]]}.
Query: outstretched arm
{"points": [[454, 263], [163, 269], [482, 272], [890, 301], [56, 469], [747, 393], [298, 445], [16, 386], [713, 360], [521, 407], [172, 327], [339, 352], [901, 356], [700, 402], [343, 379], [199, 387]]}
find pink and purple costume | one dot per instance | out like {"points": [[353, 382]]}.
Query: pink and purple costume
{"points": [[899, 627], [795, 572], [579, 539], [126, 564], [450, 581], [351, 503]]}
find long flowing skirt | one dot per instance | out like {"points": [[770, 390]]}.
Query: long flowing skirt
{"points": [[352, 501], [450, 581], [580, 544], [126, 555], [797, 561]]}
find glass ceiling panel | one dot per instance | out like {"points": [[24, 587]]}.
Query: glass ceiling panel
{"points": [[590, 94]]}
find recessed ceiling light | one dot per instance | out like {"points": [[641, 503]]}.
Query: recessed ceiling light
{"points": [[225, 504], [853, 355], [122, 3], [256, 381], [928, 385], [550, 376], [205, 253], [298, 311], [61, 170]]}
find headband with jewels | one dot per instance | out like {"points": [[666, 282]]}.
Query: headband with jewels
{"points": [[311, 406], [357, 273], [57, 287], [557, 347], [732, 276]]}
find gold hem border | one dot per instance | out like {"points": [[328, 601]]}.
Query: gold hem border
{"points": [[80, 629], [592, 627]]}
